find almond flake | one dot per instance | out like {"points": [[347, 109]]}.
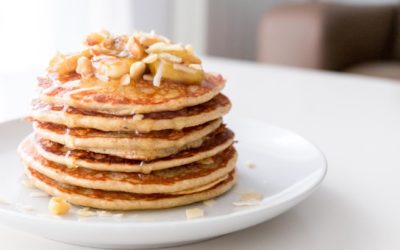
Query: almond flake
{"points": [[184, 68], [150, 58], [195, 66], [170, 57], [193, 213]]}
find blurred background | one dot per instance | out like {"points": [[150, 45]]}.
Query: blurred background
{"points": [[359, 36]]}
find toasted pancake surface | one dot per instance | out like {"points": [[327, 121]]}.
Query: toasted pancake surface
{"points": [[113, 200], [214, 143], [131, 145], [171, 180], [143, 97], [186, 117]]}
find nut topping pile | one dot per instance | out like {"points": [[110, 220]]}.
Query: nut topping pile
{"points": [[130, 59]]}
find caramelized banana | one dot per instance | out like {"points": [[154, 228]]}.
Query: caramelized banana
{"points": [[177, 50]]}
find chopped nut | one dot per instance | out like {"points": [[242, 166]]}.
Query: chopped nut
{"points": [[148, 77], [4, 201], [24, 207], [85, 212], [38, 194], [136, 71], [58, 206], [206, 161], [125, 79], [94, 38], [135, 48], [250, 165], [117, 216], [104, 214], [209, 203], [194, 213], [84, 67], [27, 183], [249, 199], [137, 117], [101, 77], [63, 64]]}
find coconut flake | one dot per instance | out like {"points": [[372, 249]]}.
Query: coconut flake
{"points": [[158, 75]]}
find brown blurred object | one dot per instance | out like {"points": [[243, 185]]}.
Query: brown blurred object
{"points": [[362, 39]]}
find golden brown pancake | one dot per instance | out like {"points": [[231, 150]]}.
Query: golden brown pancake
{"points": [[116, 99], [214, 143], [186, 117], [112, 200], [132, 145], [187, 177]]}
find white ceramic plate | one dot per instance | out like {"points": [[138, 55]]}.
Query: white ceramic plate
{"points": [[288, 168]]}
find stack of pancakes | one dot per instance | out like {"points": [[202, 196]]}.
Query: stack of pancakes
{"points": [[121, 147]]}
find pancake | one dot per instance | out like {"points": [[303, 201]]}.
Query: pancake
{"points": [[116, 99], [131, 145], [170, 180], [214, 143], [112, 200], [186, 117]]}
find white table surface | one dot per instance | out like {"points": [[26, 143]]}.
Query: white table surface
{"points": [[355, 120]]}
